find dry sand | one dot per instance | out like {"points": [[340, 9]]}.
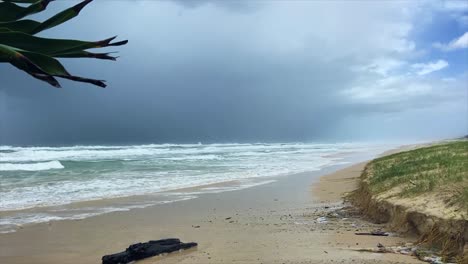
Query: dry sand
{"points": [[272, 223]]}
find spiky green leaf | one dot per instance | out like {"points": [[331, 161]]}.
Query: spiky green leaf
{"points": [[8, 54], [41, 66], [55, 68], [33, 27], [25, 26], [49, 46], [21, 1], [61, 17], [10, 11], [35, 55], [86, 54]]}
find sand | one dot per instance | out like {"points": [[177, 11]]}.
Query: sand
{"points": [[271, 223]]}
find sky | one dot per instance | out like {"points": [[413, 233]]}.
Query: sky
{"points": [[251, 71]]}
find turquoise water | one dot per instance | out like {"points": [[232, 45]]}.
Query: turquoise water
{"points": [[54, 177]]}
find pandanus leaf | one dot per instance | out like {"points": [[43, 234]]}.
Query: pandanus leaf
{"points": [[61, 17], [55, 68], [51, 47], [21, 1], [35, 55], [8, 54], [33, 27], [25, 26], [10, 11], [47, 66], [85, 54]]}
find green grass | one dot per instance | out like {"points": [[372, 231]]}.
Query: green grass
{"points": [[441, 168]]}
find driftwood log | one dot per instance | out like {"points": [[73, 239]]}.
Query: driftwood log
{"points": [[145, 250], [373, 233]]}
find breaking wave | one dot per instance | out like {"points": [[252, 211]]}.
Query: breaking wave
{"points": [[54, 164]]}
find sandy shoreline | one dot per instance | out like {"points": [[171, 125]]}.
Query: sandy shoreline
{"points": [[271, 223]]}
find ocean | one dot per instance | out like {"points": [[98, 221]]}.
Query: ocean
{"points": [[40, 184]]}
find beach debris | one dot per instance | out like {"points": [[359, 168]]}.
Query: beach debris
{"points": [[379, 249], [195, 226], [145, 250], [409, 250], [322, 220], [333, 215], [434, 260], [382, 249], [372, 233], [227, 218]]}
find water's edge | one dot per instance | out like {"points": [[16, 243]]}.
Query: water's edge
{"points": [[236, 167]]}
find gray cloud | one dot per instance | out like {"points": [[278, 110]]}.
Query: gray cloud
{"points": [[198, 71], [232, 5]]}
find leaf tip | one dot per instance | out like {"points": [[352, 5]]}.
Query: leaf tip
{"points": [[77, 8]]}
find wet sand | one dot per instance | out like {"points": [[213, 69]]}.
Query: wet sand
{"points": [[271, 223]]}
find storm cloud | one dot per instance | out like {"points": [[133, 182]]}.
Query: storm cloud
{"points": [[224, 71]]}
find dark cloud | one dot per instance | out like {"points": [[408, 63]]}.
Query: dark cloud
{"points": [[207, 75]]}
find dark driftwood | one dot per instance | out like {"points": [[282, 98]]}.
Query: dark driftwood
{"points": [[373, 233], [146, 250]]}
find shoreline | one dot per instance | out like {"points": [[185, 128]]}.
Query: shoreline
{"points": [[92, 208], [270, 223], [30, 205]]}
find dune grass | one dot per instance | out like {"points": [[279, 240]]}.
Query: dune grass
{"points": [[442, 169]]}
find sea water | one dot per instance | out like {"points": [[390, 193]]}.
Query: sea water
{"points": [[39, 184]]}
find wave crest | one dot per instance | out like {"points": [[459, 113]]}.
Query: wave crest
{"points": [[55, 164]]}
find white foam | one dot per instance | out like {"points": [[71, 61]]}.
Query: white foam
{"points": [[35, 177], [92, 153], [12, 223], [55, 164]]}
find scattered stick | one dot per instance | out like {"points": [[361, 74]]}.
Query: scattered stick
{"points": [[426, 256]]}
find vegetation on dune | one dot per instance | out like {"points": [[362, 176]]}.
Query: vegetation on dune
{"points": [[37, 56], [441, 168]]}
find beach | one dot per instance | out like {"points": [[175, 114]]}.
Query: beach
{"points": [[235, 131], [284, 221]]}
